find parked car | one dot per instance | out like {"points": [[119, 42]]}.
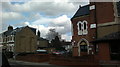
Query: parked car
{"points": [[58, 52]]}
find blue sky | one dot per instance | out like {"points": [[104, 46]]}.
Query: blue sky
{"points": [[41, 15]]}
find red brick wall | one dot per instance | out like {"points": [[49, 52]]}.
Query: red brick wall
{"points": [[84, 61], [91, 32], [34, 57], [104, 51], [75, 51], [105, 12]]}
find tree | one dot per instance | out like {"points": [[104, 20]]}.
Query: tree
{"points": [[56, 43], [52, 34]]}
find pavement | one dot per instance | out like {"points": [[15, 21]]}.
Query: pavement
{"points": [[16, 63]]}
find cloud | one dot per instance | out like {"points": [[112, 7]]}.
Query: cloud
{"points": [[67, 37], [54, 8], [11, 16], [41, 15], [62, 25]]}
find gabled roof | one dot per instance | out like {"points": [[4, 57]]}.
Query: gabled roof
{"points": [[33, 30], [82, 11], [110, 37], [14, 31]]}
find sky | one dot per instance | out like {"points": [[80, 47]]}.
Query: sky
{"points": [[42, 15]]}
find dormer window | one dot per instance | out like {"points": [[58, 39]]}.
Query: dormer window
{"points": [[82, 28]]}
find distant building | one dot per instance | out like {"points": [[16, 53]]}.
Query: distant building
{"points": [[96, 30], [18, 40], [67, 45], [42, 43]]}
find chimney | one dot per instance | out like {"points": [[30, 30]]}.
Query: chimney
{"points": [[10, 28]]}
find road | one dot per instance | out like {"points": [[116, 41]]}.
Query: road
{"points": [[30, 64]]}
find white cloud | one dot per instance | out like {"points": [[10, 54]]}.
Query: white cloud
{"points": [[62, 25], [67, 37], [42, 20], [48, 8], [59, 11], [11, 16]]}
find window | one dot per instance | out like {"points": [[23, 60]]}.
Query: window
{"points": [[85, 27], [118, 8], [79, 28], [82, 28]]}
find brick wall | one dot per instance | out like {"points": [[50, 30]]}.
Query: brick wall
{"points": [[105, 12], [34, 57], [84, 61]]}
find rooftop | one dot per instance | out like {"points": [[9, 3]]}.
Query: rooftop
{"points": [[110, 37], [82, 11]]}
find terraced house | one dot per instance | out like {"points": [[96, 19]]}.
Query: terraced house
{"points": [[19, 40], [96, 31]]}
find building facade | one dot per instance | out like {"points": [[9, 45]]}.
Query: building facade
{"points": [[42, 43], [19, 40], [94, 26]]}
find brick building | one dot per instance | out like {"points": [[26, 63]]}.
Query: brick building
{"points": [[96, 30], [18, 40]]}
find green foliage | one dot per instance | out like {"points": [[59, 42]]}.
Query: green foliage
{"points": [[56, 43]]}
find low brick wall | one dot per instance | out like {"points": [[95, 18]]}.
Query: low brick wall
{"points": [[34, 57], [86, 61]]}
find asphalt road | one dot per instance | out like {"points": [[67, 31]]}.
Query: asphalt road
{"points": [[30, 64]]}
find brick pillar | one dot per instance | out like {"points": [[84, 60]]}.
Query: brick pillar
{"points": [[104, 51], [75, 51]]}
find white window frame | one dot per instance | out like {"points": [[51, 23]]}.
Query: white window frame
{"points": [[80, 32], [85, 31]]}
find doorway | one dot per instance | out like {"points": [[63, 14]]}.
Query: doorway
{"points": [[115, 50]]}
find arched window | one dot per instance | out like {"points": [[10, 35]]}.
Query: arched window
{"points": [[82, 28], [79, 24], [85, 26], [85, 31]]}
